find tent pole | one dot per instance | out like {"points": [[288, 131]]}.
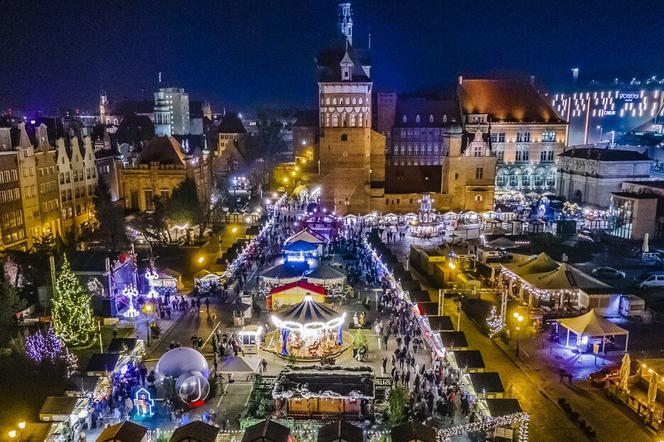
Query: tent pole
{"points": [[567, 344]]}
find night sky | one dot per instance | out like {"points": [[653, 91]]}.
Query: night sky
{"points": [[241, 54]]}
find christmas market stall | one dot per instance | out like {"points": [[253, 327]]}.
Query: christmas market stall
{"points": [[124, 432], [323, 391], [195, 431], [308, 330], [266, 431], [487, 385], [293, 293], [278, 275], [340, 431], [504, 407], [413, 432]]}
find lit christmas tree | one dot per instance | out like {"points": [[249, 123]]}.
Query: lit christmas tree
{"points": [[47, 347], [72, 316], [494, 322]]}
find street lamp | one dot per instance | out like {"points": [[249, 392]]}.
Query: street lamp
{"points": [[147, 309], [519, 319]]}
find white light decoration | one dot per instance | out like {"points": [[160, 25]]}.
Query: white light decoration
{"points": [[131, 293], [152, 275]]}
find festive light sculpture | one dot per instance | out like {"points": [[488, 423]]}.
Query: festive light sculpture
{"points": [[131, 293], [152, 275], [143, 404]]}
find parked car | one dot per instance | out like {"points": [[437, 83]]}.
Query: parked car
{"points": [[654, 280], [599, 377], [608, 272]]}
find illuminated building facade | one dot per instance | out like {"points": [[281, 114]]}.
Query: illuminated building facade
{"points": [[603, 112], [588, 175], [171, 112], [526, 134], [78, 181], [159, 168]]}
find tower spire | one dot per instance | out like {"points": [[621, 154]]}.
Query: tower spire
{"points": [[345, 23]]}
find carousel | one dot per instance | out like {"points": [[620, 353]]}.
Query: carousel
{"points": [[427, 224], [308, 330]]}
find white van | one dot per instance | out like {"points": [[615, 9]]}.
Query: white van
{"points": [[654, 280]]}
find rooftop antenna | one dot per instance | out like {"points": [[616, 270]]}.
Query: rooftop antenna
{"points": [[159, 77], [369, 41]]}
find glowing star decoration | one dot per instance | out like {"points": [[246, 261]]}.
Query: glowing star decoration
{"points": [[131, 293], [152, 275], [143, 404]]}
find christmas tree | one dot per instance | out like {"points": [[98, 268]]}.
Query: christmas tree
{"points": [[494, 322], [72, 316]]}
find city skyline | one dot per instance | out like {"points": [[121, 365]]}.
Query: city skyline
{"points": [[258, 56]]}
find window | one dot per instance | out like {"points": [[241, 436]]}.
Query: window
{"points": [[359, 100], [347, 100], [417, 119], [352, 120], [404, 119], [477, 151], [500, 153], [479, 173], [501, 137], [522, 154], [548, 136], [514, 180], [444, 118], [344, 137], [456, 176], [478, 198], [335, 120], [525, 180], [354, 100], [501, 179], [494, 137], [334, 101], [430, 118], [327, 101], [523, 137]]}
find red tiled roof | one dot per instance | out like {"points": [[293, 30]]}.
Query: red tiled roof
{"points": [[514, 101], [302, 284]]}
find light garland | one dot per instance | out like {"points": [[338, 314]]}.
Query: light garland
{"points": [[310, 328], [494, 322], [488, 424]]}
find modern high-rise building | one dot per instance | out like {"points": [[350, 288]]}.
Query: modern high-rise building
{"points": [[171, 112]]}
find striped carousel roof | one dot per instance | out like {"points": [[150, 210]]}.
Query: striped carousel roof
{"points": [[308, 311]]}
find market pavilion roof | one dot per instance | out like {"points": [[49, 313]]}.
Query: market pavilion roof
{"points": [[304, 286], [340, 431], [592, 324], [413, 431], [197, 431], [308, 311], [538, 264], [282, 272], [123, 432], [324, 272], [266, 431], [334, 382], [307, 235]]}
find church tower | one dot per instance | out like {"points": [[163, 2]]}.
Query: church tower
{"points": [[345, 146]]}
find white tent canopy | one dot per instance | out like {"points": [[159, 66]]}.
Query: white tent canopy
{"points": [[306, 235], [592, 324], [565, 277]]}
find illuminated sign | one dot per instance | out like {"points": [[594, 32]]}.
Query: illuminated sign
{"points": [[143, 404], [608, 112], [629, 96]]}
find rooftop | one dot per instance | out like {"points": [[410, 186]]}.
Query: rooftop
{"points": [[605, 154], [512, 101]]}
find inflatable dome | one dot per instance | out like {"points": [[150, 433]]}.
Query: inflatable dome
{"points": [[190, 370]]}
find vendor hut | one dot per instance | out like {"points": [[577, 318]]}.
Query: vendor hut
{"points": [[280, 274], [266, 431], [340, 431], [413, 432], [124, 432], [196, 431], [309, 329], [315, 391], [294, 293]]}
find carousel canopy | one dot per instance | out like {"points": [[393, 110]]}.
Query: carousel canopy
{"points": [[306, 235], [592, 324], [300, 246], [303, 286], [308, 311], [325, 273], [565, 277]]}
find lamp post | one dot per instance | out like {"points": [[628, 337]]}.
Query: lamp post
{"points": [[519, 319], [147, 309], [14, 434]]}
